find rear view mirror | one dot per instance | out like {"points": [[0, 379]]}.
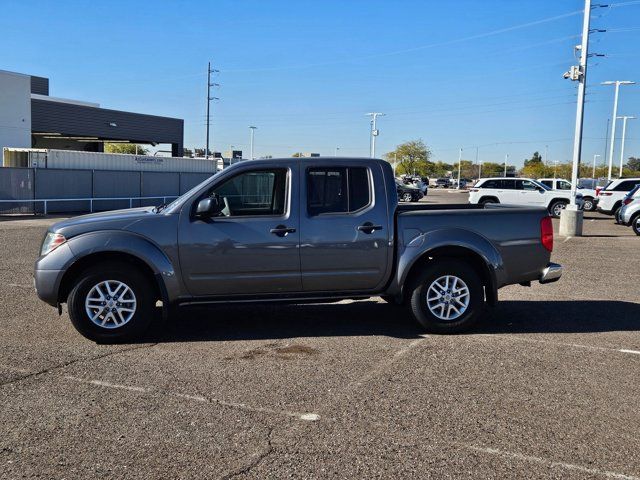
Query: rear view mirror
{"points": [[208, 207]]}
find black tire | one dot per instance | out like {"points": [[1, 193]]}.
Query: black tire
{"points": [[616, 211], [485, 201], [556, 208], [114, 271], [635, 224], [421, 286], [589, 205]]}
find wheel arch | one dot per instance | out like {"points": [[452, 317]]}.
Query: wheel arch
{"points": [[476, 250], [484, 198], [127, 247]]}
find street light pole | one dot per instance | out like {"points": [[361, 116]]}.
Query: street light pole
{"points": [[459, 168], [624, 119], [374, 132], [478, 163], [252, 129], [617, 84], [506, 159], [594, 166], [337, 149]]}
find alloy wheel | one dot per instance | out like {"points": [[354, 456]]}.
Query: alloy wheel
{"points": [[448, 297], [110, 304]]}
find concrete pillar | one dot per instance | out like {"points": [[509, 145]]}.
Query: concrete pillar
{"points": [[571, 222]]}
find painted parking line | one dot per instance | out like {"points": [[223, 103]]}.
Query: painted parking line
{"points": [[305, 416], [551, 463], [561, 344]]}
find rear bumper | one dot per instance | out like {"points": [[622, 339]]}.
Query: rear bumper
{"points": [[551, 273], [602, 210]]}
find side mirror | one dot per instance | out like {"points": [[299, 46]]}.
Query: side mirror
{"points": [[540, 189], [208, 207]]}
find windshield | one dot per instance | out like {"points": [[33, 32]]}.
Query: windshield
{"points": [[633, 191], [177, 203], [541, 185]]}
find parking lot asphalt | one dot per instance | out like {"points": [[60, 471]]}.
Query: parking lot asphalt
{"points": [[548, 386]]}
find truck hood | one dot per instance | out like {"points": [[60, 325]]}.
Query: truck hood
{"points": [[111, 220]]}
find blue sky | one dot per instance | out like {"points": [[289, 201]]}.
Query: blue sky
{"points": [[454, 73]]}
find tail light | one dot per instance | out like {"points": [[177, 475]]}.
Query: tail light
{"points": [[627, 201], [546, 233], [605, 194], [598, 190], [474, 189]]}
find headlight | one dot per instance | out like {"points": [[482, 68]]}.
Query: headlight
{"points": [[51, 242]]}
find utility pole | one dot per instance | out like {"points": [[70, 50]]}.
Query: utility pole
{"points": [[374, 132], [478, 163], [252, 129], [594, 166], [459, 168], [209, 98], [624, 119], [617, 84], [571, 217], [546, 155]]}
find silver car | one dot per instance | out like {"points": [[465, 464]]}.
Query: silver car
{"points": [[629, 214]]}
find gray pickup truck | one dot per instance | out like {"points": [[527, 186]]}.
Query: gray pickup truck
{"points": [[291, 230]]}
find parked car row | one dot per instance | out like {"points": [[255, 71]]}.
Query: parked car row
{"points": [[408, 192], [521, 191], [629, 213]]}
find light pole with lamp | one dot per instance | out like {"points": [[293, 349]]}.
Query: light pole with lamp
{"points": [[624, 119], [252, 128]]}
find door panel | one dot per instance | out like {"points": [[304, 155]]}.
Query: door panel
{"points": [[250, 253], [342, 249]]}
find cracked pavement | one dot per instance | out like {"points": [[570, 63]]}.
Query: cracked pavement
{"points": [[546, 387]]}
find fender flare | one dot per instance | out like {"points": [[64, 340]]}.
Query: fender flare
{"points": [[422, 244], [134, 245]]}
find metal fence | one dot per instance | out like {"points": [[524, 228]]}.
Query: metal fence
{"points": [[34, 190]]}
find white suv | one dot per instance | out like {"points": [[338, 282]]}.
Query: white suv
{"points": [[610, 197], [521, 191], [588, 195]]}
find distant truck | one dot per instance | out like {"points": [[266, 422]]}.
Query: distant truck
{"points": [[291, 230]]}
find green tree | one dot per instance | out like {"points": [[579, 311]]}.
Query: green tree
{"points": [[535, 160], [411, 158], [297, 155], [633, 164], [491, 169], [127, 148]]}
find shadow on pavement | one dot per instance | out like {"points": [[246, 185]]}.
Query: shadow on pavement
{"points": [[570, 316], [364, 318]]}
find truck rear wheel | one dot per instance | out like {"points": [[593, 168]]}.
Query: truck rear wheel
{"points": [[447, 297], [111, 303]]}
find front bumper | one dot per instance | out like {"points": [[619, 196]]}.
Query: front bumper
{"points": [[551, 273], [46, 283]]}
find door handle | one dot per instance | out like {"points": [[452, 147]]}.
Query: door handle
{"points": [[282, 230], [369, 227]]}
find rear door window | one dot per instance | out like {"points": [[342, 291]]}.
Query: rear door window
{"points": [[547, 183], [337, 190], [626, 185]]}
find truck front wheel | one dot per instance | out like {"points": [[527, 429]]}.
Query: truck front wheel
{"points": [[447, 297], [111, 303]]}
